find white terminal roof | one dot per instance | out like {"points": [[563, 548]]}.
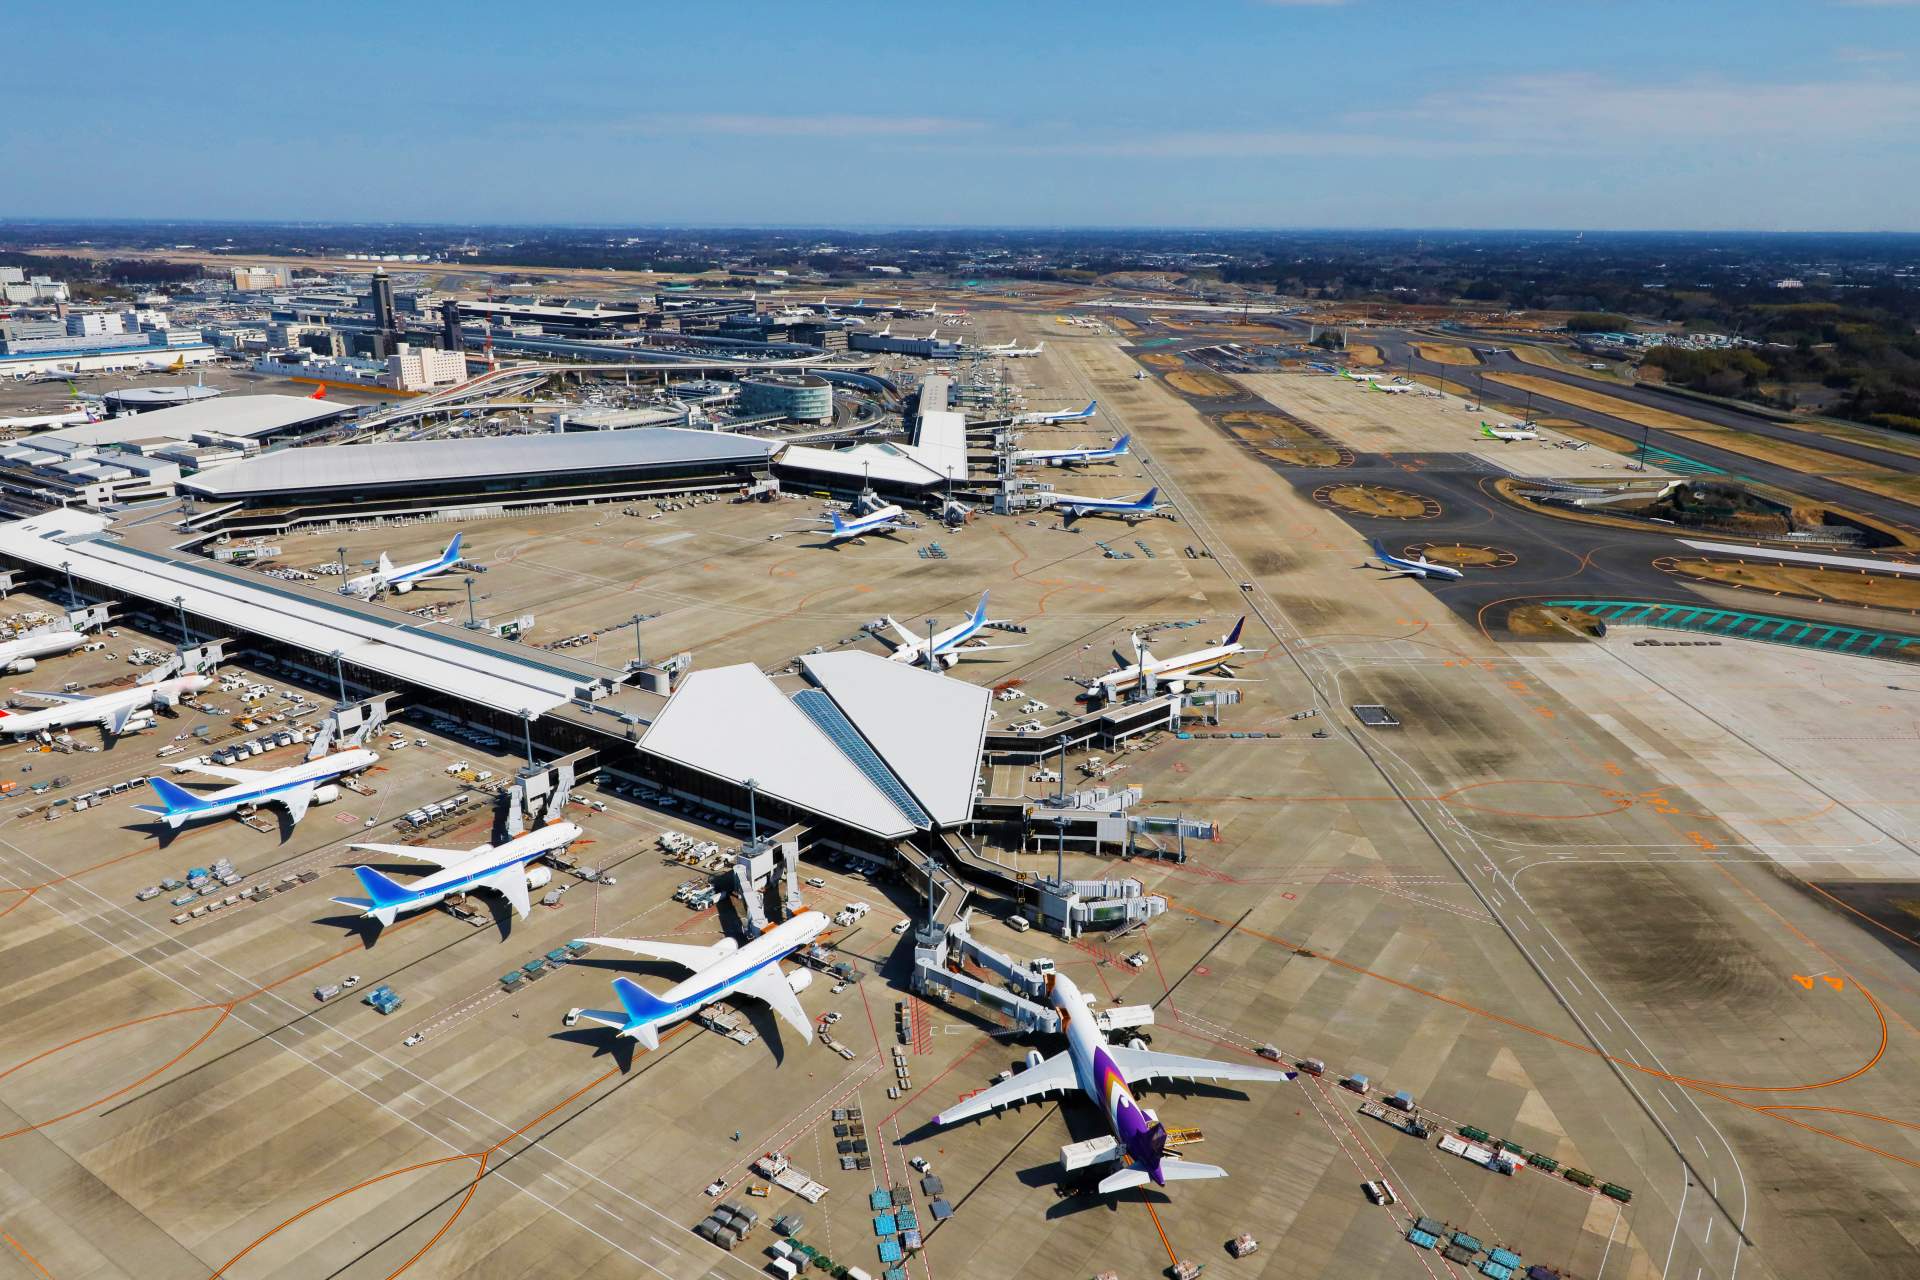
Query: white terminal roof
{"points": [[734, 723], [247, 417], [929, 728], [888, 463], [393, 645]]}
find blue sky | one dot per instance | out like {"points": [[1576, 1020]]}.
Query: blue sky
{"points": [[1767, 114]]}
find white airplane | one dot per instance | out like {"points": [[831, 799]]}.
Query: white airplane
{"points": [[404, 578], [944, 646], [1056, 419], [1113, 451], [1017, 352], [719, 971], [1351, 376], [113, 712], [1393, 388], [1520, 431], [883, 520], [70, 418], [1150, 674], [1072, 506], [1103, 1072], [295, 787], [25, 653], [1413, 566], [502, 868]]}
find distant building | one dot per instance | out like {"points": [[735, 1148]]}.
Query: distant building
{"points": [[253, 279], [382, 301], [802, 397], [17, 287], [452, 336], [1790, 283], [412, 368], [94, 324]]}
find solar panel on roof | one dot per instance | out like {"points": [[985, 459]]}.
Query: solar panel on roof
{"points": [[827, 718]]}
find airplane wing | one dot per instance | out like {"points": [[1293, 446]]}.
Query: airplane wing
{"points": [[906, 638], [419, 853], [54, 697], [1139, 1065], [1053, 1075], [297, 801], [770, 986], [685, 954], [224, 774], [511, 884], [115, 721], [982, 648]]}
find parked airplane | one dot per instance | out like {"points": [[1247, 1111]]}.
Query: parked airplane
{"points": [[1072, 506], [25, 653], [77, 417], [1103, 1073], [1414, 566], [884, 520], [1393, 388], [403, 579], [502, 868], [1150, 674], [113, 712], [294, 787], [945, 646], [1113, 451], [1522, 431], [719, 971], [1055, 419], [1016, 352]]}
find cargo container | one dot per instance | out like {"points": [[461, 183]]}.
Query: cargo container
{"points": [[1539, 1161], [1430, 1226], [1359, 1084], [1454, 1253], [1496, 1271], [1579, 1177], [1422, 1239], [1474, 1133], [1401, 1101], [1616, 1192], [1505, 1257], [1466, 1241]]}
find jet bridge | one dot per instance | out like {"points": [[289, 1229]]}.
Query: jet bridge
{"points": [[196, 658], [762, 864], [350, 725], [948, 962], [541, 792]]}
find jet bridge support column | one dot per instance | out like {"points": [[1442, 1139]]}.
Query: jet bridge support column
{"points": [[541, 792], [762, 864], [350, 725]]}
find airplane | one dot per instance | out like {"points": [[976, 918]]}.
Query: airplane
{"points": [[884, 520], [1016, 352], [945, 646], [1103, 1073], [719, 971], [113, 712], [1415, 566], [1112, 452], [25, 653], [70, 418], [1523, 431], [1151, 674], [1072, 506], [1393, 388], [1139, 375], [403, 579], [294, 787], [179, 365], [502, 868], [1055, 419], [1351, 376]]}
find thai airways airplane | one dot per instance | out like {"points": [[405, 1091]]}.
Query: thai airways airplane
{"points": [[502, 868], [1113, 451], [884, 520], [1104, 1072], [1055, 419], [719, 971], [1072, 506], [70, 418], [945, 646], [113, 712], [1152, 674], [1523, 431], [294, 787], [404, 578], [25, 653], [1415, 566]]}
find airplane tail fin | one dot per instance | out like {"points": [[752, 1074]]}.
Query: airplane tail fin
{"points": [[319, 392], [1151, 495], [1233, 636], [173, 799], [1092, 407], [452, 553], [1381, 551], [386, 563], [386, 893], [980, 610], [644, 1011], [839, 525], [1123, 445]]}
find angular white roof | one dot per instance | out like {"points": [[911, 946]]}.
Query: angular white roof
{"points": [[734, 723], [245, 416], [929, 728]]}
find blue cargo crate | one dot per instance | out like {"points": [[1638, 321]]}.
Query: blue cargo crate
{"points": [[911, 1239], [881, 1199], [559, 955], [1466, 1241], [908, 1220], [1424, 1239], [1505, 1257], [894, 1273], [884, 1225], [890, 1251], [1494, 1269]]}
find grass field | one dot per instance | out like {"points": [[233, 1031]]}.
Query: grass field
{"points": [[1808, 583], [1364, 354], [1443, 353], [1544, 357], [1276, 436], [1597, 401], [1123, 324], [1538, 621], [1202, 384], [1373, 500]]}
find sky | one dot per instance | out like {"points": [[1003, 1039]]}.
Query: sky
{"points": [[1607, 114]]}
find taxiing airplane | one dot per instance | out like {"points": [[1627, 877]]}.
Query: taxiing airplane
{"points": [[503, 868], [883, 520], [403, 579], [719, 971], [1413, 566], [945, 647], [1150, 674], [113, 712], [1055, 419], [295, 787], [1072, 506], [1113, 451], [1104, 1072], [1522, 431]]}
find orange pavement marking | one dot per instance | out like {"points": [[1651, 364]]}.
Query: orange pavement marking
{"points": [[31, 1260]]}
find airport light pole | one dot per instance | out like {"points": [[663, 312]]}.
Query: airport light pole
{"points": [[343, 565], [180, 603], [639, 646], [340, 674], [471, 624], [73, 597], [526, 728], [753, 812]]}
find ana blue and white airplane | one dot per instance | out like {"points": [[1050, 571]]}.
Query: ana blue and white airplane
{"points": [[945, 647], [1055, 419], [1072, 506], [884, 520], [719, 971], [1112, 451], [404, 578], [502, 868], [1103, 1073], [1413, 566], [294, 788]]}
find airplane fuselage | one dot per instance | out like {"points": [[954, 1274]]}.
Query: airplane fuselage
{"points": [[103, 709], [273, 787]]}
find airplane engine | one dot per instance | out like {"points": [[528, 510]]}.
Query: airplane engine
{"points": [[1035, 1058], [1175, 686], [1136, 1043], [21, 664], [1056, 462], [400, 587], [800, 980], [326, 795], [947, 660], [538, 877]]}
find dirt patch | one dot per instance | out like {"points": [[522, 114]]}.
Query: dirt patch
{"points": [[1160, 360], [1378, 500], [1123, 324], [1443, 353], [1202, 384], [1613, 406], [1539, 622], [1270, 562], [1321, 455], [1366, 355], [1806, 582], [1537, 356], [1460, 553]]}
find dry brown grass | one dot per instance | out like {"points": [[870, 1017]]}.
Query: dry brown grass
{"points": [[1276, 436], [1459, 553], [1599, 402], [1539, 622], [1807, 582], [1202, 384], [1443, 353], [1364, 354], [1160, 360], [1544, 357], [1374, 500], [1123, 324]]}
